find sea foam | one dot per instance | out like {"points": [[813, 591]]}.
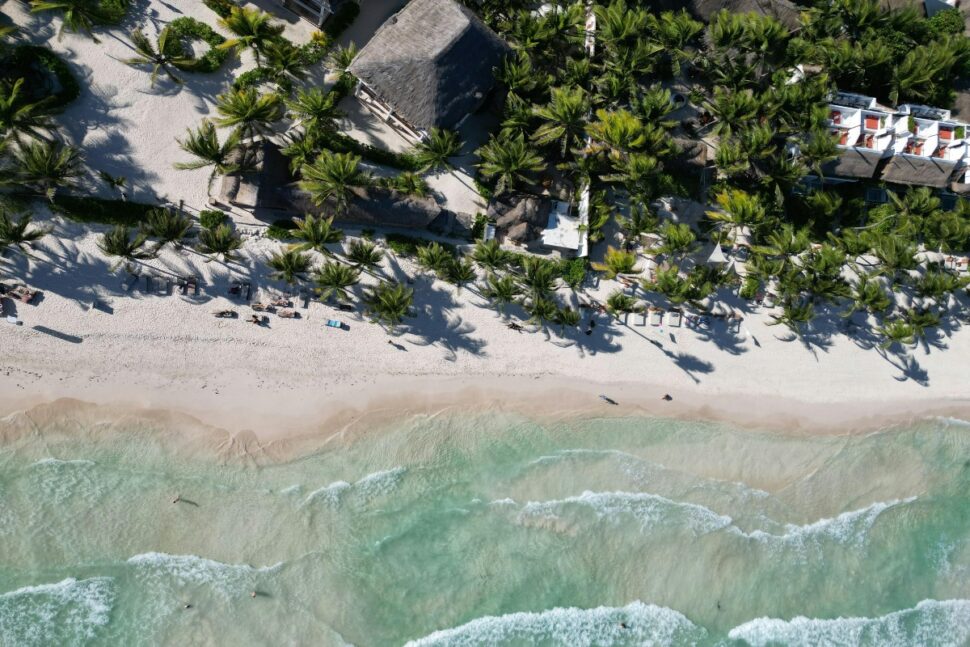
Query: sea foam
{"points": [[69, 612], [931, 623], [651, 510], [369, 487], [635, 624]]}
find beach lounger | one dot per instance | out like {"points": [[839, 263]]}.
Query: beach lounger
{"points": [[656, 316], [288, 314], [148, 284], [673, 318], [333, 323], [23, 293], [225, 314], [260, 307], [641, 318]]}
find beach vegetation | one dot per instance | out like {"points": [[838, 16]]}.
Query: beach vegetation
{"points": [[339, 60], [203, 144], [617, 261], [501, 290], [221, 242], [315, 233], [164, 55], [290, 266], [433, 257], [314, 109], [77, 16], [19, 233], [168, 226], [248, 111], [251, 29], [21, 118], [45, 166], [332, 179], [126, 245], [212, 218], [188, 29], [509, 162], [47, 78], [408, 183], [90, 209], [334, 280], [365, 254], [389, 302], [619, 303], [490, 256], [567, 317], [436, 151], [461, 271]]}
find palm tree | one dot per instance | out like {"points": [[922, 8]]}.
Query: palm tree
{"points": [[364, 253], [896, 254], [290, 266], [78, 16], [115, 182], [220, 242], [339, 61], [564, 119], [434, 153], [620, 130], [539, 277], [434, 258], [389, 302], [248, 111], [732, 109], [314, 109], [920, 320], [18, 233], [869, 296], [618, 302], [794, 315], [168, 226], [45, 166], [617, 261], [501, 290], [285, 63], [119, 242], [639, 221], [167, 55], [516, 74], [203, 143], [460, 271], [820, 147], [489, 255], [897, 331], [302, 147], [333, 177], [679, 239], [19, 118], [315, 232], [541, 310], [567, 317], [251, 28], [737, 209], [509, 160], [333, 279]]}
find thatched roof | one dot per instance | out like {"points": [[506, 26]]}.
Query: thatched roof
{"points": [[784, 10], [854, 162], [431, 62], [519, 218], [921, 171], [264, 184]]}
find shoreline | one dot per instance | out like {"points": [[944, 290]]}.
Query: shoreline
{"points": [[343, 414]]}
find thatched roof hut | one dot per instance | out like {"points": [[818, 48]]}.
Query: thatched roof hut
{"points": [[854, 163], [431, 63], [920, 171]]}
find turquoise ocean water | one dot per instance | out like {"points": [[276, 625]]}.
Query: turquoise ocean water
{"points": [[494, 530]]}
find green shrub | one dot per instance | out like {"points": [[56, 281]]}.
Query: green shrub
{"points": [[341, 143], [221, 7], [98, 210], [403, 245], [27, 61], [573, 271], [750, 288], [281, 229], [315, 51], [946, 22], [367, 234], [187, 28], [478, 228], [341, 20], [111, 12], [251, 78], [211, 218]]}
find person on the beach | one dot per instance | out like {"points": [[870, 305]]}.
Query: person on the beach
{"points": [[667, 397]]}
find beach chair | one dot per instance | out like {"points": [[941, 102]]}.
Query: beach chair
{"points": [[149, 284], [674, 318], [288, 314], [224, 314], [734, 323], [641, 318], [656, 316]]}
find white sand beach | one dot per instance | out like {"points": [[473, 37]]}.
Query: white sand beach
{"points": [[169, 352]]}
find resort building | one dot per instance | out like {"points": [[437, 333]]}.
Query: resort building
{"points": [[429, 66], [316, 11], [911, 144]]}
